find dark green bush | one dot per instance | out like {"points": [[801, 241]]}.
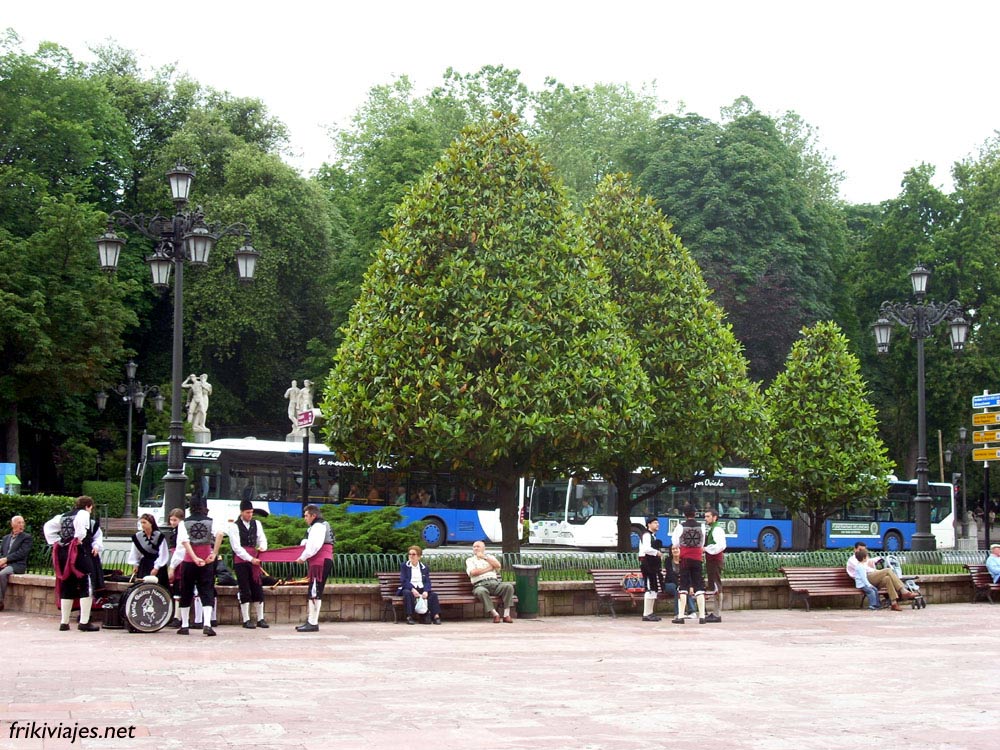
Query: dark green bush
{"points": [[109, 497]]}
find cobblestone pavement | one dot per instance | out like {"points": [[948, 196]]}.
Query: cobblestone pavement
{"points": [[761, 679]]}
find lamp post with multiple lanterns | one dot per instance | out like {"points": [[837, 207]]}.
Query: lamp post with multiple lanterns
{"points": [[134, 394], [919, 319], [179, 239]]}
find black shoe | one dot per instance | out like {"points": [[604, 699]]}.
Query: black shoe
{"points": [[713, 618], [307, 627], [249, 625], [701, 620], [650, 618], [410, 621], [196, 625], [436, 621], [182, 631], [262, 624], [63, 626], [678, 621], [175, 623], [88, 627], [208, 630]]}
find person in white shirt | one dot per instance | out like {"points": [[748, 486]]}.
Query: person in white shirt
{"points": [[860, 563], [715, 560], [70, 535], [649, 562], [483, 571], [149, 552], [414, 585], [317, 554], [200, 540], [247, 538]]}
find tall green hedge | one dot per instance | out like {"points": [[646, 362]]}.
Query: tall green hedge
{"points": [[109, 497]]}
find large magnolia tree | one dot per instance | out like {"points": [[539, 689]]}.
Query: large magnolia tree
{"points": [[823, 448], [484, 341], [706, 409]]}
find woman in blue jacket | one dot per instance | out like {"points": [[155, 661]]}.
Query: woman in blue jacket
{"points": [[415, 584]]}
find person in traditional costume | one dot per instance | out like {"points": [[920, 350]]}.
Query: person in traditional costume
{"points": [[149, 552], [198, 537], [247, 538], [317, 554], [71, 537]]}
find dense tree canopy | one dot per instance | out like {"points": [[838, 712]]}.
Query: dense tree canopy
{"points": [[484, 340], [822, 448], [705, 409], [755, 215]]}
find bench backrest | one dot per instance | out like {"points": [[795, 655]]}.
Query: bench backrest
{"points": [[444, 583], [609, 580], [980, 575], [804, 577]]}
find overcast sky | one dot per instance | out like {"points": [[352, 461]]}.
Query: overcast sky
{"points": [[887, 84]]}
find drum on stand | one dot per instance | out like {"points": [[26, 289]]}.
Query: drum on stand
{"points": [[146, 608]]}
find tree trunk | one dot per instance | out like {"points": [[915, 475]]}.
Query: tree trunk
{"points": [[817, 536], [621, 479], [510, 511]]}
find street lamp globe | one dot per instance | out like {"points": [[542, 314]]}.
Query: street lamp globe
{"points": [[180, 178], [918, 278]]}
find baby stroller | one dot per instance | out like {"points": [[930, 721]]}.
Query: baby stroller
{"points": [[892, 562]]}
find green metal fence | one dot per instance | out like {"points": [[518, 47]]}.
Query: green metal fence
{"points": [[568, 566]]}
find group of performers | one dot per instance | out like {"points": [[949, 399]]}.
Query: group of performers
{"points": [[183, 560]]}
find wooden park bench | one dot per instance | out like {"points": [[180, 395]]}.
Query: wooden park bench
{"points": [[982, 583], [608, 586], [452, 589], [809, 583]]}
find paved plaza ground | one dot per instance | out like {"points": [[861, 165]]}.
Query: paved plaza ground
{"points": [[762, 679]]}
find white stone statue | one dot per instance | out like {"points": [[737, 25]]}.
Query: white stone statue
{"points": [[292, 394], [200, 389]]}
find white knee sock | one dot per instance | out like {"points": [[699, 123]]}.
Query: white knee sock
{"points": [[648, 603], [682, 603], [85, 604], [245, 612], [65, 610], [206, 613], [185, 616], [259, 606], [315, 605], [700, 598]]}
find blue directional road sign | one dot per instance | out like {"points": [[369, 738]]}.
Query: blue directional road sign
{"points": [[986, 401]]}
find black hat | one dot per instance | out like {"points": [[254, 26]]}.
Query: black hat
{"points": [[245, 505], [650, 519]]}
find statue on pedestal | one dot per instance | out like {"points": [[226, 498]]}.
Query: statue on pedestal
{"points": [[200, 389]]}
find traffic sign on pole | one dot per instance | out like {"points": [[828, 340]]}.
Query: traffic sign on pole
{"points": [[981, 419], [986, 401], [986, 454], [986, 436]]}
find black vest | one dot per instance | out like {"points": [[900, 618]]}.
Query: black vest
{"points": [[693, 534], [248, 536]]}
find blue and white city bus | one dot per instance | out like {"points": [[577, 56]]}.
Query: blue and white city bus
{"points": [[269, 473], [582, 513]]}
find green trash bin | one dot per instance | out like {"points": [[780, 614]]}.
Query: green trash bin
{"points": [[526, 587]]}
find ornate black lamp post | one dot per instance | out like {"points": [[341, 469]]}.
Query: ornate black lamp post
{"points": [[920, 318], [962, 448], [134, 394], [184, 237]]}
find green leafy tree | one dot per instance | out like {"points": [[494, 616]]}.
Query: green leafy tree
{"points": [[706, 408], [62, 320], [484, 341], [752, 205], [823, 448]]}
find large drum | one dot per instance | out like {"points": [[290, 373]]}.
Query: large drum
{"points": [[146, 608]]}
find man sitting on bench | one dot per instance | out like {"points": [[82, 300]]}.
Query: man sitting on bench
{"points": [[483, 571], [862, 569]]}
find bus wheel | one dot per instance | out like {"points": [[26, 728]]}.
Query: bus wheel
{"points": [[635, 536], [769, 539], [892, 542], [433, 533]]}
